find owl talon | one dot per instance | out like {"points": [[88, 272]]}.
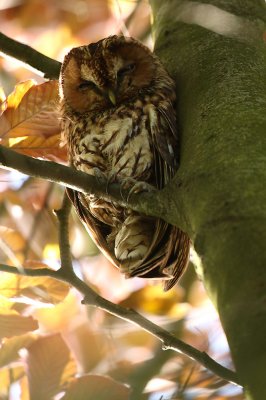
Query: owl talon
{"points": [[140, 187], [101, 178], [135, 187]]}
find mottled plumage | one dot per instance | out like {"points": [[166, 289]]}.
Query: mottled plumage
{"points": [[119, 121]]}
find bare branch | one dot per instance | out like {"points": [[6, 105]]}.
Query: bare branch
{"points": [[67, 274], [169, 341], [64, 246], [47, 66], [146, 203], [29, 271]]}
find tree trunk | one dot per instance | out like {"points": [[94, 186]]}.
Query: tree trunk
{"points": [[217, 57]]}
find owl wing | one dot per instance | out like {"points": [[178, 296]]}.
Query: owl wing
{"points": [[169, 252], [98, 230], [164, 136]]}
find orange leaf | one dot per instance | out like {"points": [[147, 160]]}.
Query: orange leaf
{"points": [[12, 324], [40, 146], [17, 95], [30, 120], [91, 387], [50, 366]]}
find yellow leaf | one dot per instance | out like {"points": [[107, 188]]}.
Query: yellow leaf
{"points": [[3, 103], [7, 377], [51, 251], [16, 96], [61, 316], [10, 347], [153, 300], [39, 289]]}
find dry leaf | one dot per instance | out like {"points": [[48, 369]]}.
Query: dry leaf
{"points": [[10, 347], [92, 387], [7, 377], [13, 324], [30, 122], [40, 289], [49, 367]]}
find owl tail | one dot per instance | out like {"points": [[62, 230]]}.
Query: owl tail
{"points": [[150, 248]]}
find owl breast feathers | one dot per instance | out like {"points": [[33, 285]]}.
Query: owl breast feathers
{"points": [[117, 106]]}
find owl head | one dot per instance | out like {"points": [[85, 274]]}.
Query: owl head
{"points": [[108, 73]]}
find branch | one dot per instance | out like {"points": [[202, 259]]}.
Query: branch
{"points": [[80, 181], [155, 204], [169, 341], [22, 52], [66, 274]]}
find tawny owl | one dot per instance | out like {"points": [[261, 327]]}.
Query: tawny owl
{"points": [[117, 105]]}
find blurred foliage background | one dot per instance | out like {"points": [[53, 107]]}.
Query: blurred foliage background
{"points": [[51, 345]]}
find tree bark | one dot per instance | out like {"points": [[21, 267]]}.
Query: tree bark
{"points": [[218, 60]]}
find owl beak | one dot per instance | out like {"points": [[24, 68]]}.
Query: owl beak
{"points": [[111, 96]]}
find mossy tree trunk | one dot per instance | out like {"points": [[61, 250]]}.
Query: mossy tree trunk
{"points": [[216, 53]]}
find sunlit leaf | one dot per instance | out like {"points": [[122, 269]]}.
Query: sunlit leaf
{"points": [[90, 347], [51, 251], [152, 299], [49, 367], [3, 104], [61, 316], [10, 347], [7, 377], [92, 387], [30, 123], [13, 324], [41, 289], [14, 99], [41, 146], [24, 387], [12, 238]]}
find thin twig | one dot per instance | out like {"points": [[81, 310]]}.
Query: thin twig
{"points": [[47, 66], [30, 272], [64, 246]]}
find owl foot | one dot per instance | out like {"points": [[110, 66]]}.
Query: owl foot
{"points": [[102, 178], [99, 175], [135, 187]]}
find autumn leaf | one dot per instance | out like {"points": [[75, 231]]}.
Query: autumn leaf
{"points": [[30, 122], [49, 367], [7, 377], [41, 289], [10, 348], [2, 100], [13, 324], [91, 387]]}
